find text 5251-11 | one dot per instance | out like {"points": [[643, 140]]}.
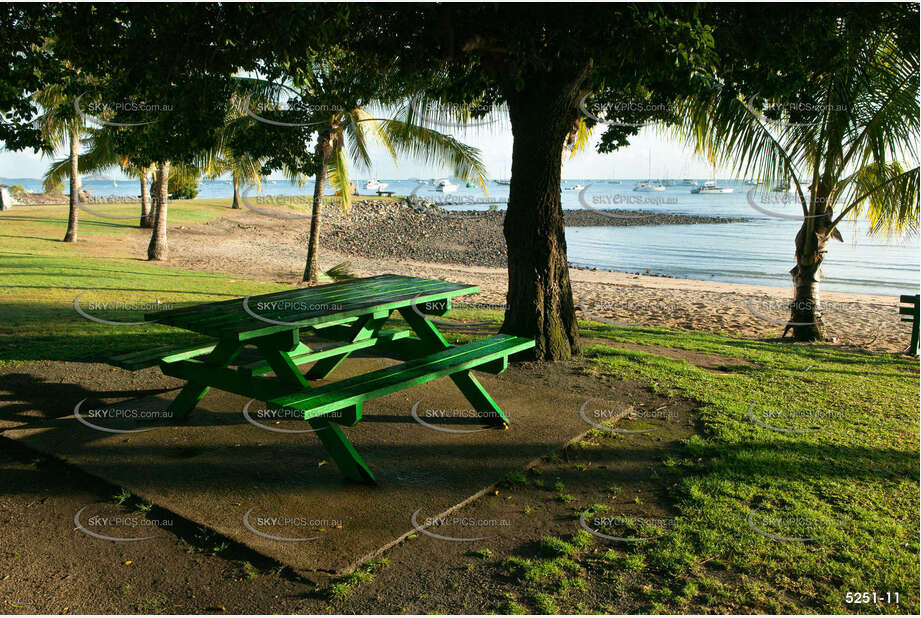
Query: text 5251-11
{"points": [[872, 597]]}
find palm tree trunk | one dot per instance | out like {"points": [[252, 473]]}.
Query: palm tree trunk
{"points": [[146, 215], [323, 150], [158, 249], [71, 235], [811, 247], [539, 301], [236, 192]]}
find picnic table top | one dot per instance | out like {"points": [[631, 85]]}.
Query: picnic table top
{"points": [[340, 302]]}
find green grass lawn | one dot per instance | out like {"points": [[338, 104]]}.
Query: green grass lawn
{"points": [[837, 463], [40, 277], [791, 442]]}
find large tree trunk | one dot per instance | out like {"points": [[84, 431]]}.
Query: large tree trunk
{"points": [[158, 249], [323, 149], [71, 235], [539, 302], [146, 215], [236, 192]]}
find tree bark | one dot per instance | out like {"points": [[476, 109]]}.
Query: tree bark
{"points": [[236, 192], [324, 149], [811, 247], [539, 301], [146, 214], [71, 235], [158, 248]]}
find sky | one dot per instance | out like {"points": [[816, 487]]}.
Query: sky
{"points": [[670, 159]]}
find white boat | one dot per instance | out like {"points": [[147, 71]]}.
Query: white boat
{"points": [[446, 186], [503, 182], [576, 188], [711, 187], [422, 181], [648, 185], [687, 182], [374, 185]]}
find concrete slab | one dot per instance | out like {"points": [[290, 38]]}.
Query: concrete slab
{"points": [[277, 493]]}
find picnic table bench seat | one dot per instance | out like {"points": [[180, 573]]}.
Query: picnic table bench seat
{"points": [[142, 359], [489, 355]]}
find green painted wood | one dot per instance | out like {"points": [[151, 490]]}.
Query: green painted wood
{"points": [[222, 355], [431, 339], [148, 358], [352, 312], [495, 367], [465, 381], [351, 291], [283, 365], [341, 308], [404, 349], [364, 330], [226, 379], [309, 356], [361, 388], [481, 401], [343, 304], [322, 294], [242, 334], [218, 306], [913, 310], [348, 460]]}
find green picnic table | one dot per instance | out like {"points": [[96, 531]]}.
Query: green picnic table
{"points": [[349, 313]]}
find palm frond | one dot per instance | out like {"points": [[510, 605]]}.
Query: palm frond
{"points": [[338, 177], [341, 272], [889, 197], [728, 132], [436, 149]]}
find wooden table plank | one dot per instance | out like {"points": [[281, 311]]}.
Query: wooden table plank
{"points": [[335, 302]]}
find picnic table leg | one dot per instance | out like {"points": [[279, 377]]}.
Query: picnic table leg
{"points": [[276, 350], [341, 450], [221, 356], [465, 381], [479, 398], [364, 329]]}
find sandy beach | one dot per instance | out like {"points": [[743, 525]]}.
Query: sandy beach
{"points": [[246, 244]]}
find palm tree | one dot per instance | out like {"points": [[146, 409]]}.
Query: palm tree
{"points": [[99, 156], [142, 173], [60, 125], [850, 140], [158, 249], [353, 128], [243, 168]]}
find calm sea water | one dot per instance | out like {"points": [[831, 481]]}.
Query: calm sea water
{"points": [[758, 251]]}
